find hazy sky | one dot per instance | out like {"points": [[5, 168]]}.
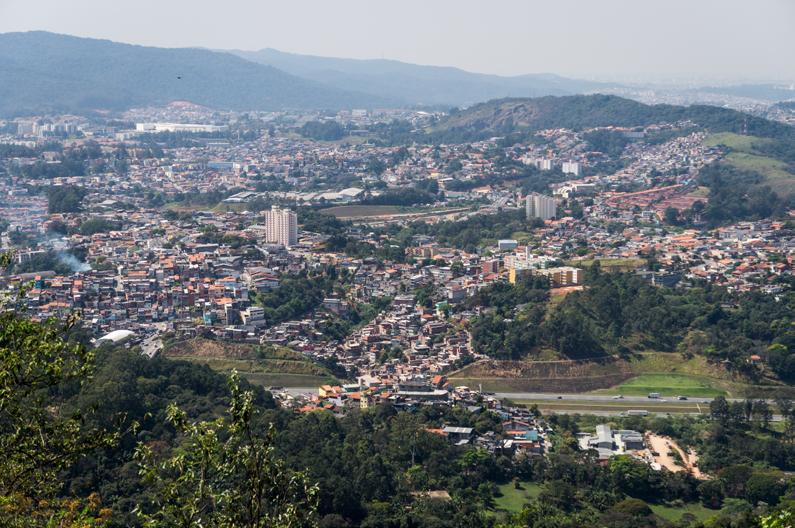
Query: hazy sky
{"points": [[751, 39]]}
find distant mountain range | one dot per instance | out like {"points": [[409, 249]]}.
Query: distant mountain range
{"points": [[414, 84], [42, 71]]}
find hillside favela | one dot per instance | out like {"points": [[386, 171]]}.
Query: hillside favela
{"points": [[350, 264]]}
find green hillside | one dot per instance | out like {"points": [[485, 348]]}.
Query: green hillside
{"points": [[765, 156], [42, 71], [508, 116], [265, 365]]}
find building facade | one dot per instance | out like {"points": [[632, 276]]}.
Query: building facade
{"points": [[540, 206], [281, 226]]}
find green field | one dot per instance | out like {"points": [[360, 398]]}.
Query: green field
{"points": [[668, 373], [674, 513], [771, 168], [512, 500], [735, 142], [667, 385], [363, 211]]}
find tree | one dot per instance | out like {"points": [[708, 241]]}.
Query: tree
{"points": [[560, 494], [36, 442], [40, 436], [781, 519], [671, 216], [225, 474], [763, 487], [64, 198], [719, 410], [711, 492], [734, 479], [376, 166], [762, 413]]}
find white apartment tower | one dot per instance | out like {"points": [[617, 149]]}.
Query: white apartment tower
{"points": [[281, 226], [540, 206], [571, 167]]}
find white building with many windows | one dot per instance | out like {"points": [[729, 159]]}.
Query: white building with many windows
{"points": [[281, 226], [540, 206]]}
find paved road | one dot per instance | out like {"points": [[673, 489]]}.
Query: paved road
{"points": [[295, 391], [153, 344], [551, 396], [581, 398], [592, 397]]}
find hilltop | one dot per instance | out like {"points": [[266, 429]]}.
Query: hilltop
{"points": [[507, 116], [417, 84], [42, 71]]}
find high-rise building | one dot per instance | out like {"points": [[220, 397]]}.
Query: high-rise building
{"points": [[571, 167], [281, 226], [540, 206]]}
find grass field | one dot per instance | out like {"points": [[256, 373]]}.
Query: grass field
{"points": [[671, 375], [674, 513], [521, 236], [667, 385], [363, 211], [512, 500], [668, 373], [745, 156], [771, 168], [735, 142]]}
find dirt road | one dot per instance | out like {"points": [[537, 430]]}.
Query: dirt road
{"points": [[663, 445]]}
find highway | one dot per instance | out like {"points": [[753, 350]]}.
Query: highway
{"points": [[594, 398], [544, 396], [595, 404]]}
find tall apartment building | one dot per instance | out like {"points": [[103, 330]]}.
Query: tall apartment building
{"points": [[540, 206], [558, 277], [571, 167], [281, 226]]}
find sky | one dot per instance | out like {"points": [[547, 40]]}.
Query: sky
{"points": [[606, 39]]}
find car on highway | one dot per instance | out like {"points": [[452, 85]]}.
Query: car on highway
{"points": [[681, 398], [618, 397]]}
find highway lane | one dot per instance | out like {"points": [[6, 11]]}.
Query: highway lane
{"points": [[558, 397], [595, 398], [297, 391]]}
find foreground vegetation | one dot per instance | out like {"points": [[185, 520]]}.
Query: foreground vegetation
{"points": [[142, 442]]}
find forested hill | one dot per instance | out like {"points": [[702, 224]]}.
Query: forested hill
{"points": [[418, 84], [506, 116], [42, 71]]}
